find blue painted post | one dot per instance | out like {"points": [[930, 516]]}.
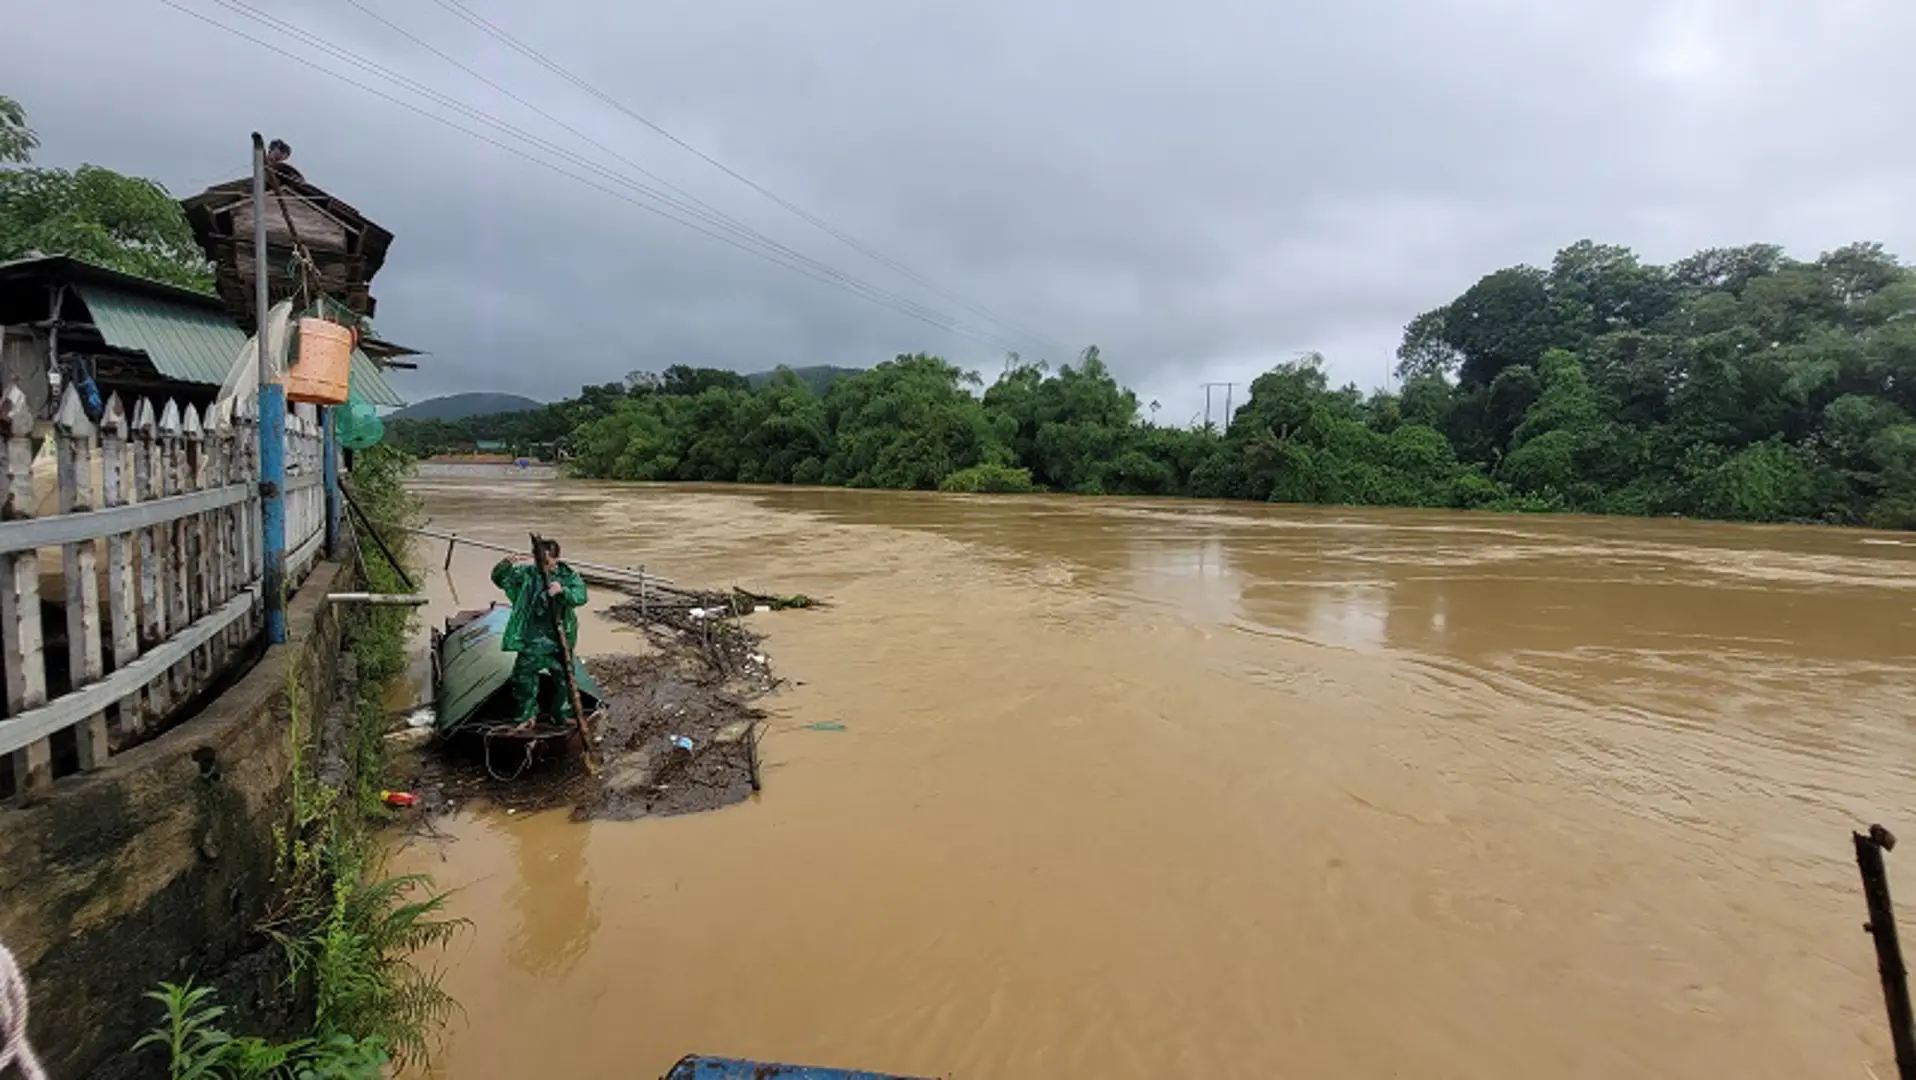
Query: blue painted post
{"points": [[272, 488], [333, 502], [272, 421]]}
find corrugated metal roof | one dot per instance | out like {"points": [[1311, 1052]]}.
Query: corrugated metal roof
{"points": [[196, 344]]}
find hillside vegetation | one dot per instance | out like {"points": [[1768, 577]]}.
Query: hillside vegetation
{"points": [[1736, 383], [817, 378], [456, 423], [465, 406]]}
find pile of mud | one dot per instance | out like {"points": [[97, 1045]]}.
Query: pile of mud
{"points": [[677, 735]]}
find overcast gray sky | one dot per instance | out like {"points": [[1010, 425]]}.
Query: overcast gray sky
{"points": [[1200, 187]]}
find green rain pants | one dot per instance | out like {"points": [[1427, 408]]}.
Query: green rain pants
{"points": [[538, 670]]}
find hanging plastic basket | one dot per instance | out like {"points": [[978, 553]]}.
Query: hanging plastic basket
{"points": [[323, 373]]}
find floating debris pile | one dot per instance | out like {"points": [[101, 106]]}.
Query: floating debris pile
{"points": [[677, 733]]}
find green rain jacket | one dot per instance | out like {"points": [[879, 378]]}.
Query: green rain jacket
{"points": [[530, 628]]}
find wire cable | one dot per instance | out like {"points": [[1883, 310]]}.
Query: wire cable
{"points": [[884, 297], [688, 202], [843, 282], [459, 9]]}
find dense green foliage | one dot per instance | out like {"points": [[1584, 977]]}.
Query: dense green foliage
{"points": [[120, 222], [1736, 383], [17, 140], [198, 1048], [818, 377], [349, 934], [424, 430], [348, 929]]}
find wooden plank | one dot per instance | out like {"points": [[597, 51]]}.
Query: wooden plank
{"points": [[295, 497], [297, 539], [219, 439], [31, 761], [250, 529], [308, 549], [36, 724], [290, 500], [239, 473], [149, 484], [35, 533], [312, 495], [73, 454], [198, 593], [122, 580], [173, 572]]}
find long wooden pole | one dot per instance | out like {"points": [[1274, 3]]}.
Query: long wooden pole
{"points": [[632, 575], [1889, 952], [565, 658], [373, 533]]}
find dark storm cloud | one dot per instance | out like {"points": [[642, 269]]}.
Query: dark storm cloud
{"points": [[1201, 188]]}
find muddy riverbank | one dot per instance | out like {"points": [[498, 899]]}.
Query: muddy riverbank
{"points": [[1147, 788]]}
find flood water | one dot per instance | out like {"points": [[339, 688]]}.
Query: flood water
{"points": [[1153, 788]]}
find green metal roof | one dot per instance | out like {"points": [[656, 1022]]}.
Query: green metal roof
{"points": [[196, 344]]}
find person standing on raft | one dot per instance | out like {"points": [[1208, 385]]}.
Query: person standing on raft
{"points": [[529, 631]]}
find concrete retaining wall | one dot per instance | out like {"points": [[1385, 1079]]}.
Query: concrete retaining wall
{"points": [[159, 865]]}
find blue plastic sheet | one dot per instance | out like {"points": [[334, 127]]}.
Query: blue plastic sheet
{"points": [[711, 1068]]}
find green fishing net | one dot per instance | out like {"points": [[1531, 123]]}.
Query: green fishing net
{"points": [[357, 425]]}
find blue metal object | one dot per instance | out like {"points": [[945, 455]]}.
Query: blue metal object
{"points": [[272, 488], [89, 395], [272, 422], [711, 1068], [334, 504]]}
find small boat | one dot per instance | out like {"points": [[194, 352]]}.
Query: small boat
{"points": [[470, 669], [711, 1068]]}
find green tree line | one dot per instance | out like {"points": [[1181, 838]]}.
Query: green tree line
{"points": [[120, 222], [1737, 383]]}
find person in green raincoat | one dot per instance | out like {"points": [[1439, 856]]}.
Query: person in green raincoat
{"points": [[529, 630]]}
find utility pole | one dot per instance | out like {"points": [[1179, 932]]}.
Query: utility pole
{"points": [[272, 422], [1227, 403]]}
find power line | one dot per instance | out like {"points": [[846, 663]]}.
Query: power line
{"points": [[487, 26], [840, 281], [884, 297], [691, 204]]}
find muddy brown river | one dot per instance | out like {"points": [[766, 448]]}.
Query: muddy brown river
{"points": [[1138, 788]]}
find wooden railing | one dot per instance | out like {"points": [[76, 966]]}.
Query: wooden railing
{"points": [[158, 548], [305, 495]]}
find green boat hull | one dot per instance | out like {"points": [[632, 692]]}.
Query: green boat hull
{"points": [[472, 669]]}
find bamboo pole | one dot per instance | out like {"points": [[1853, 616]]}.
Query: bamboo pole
{"points": [[565, 658], [378, 599], [628, 574]]}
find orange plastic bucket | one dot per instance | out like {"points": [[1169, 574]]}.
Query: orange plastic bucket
{"points": [[322, 374]]}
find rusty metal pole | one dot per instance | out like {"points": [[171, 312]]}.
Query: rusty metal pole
{"points": [[1889, 952]]}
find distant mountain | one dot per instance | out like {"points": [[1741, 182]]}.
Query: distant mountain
{"points": [[461, 406], [819, 377]]}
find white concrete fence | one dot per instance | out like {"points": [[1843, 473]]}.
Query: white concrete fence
{"points": [[150, 569]]}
